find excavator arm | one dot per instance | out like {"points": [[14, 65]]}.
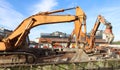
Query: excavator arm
{"points": [[79, 29], [91, 40], [22, 31]]}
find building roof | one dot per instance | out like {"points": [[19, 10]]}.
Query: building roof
{"points": [[63, 40], [56, 34]]}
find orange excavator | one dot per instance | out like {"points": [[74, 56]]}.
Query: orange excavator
{"points": [[91, 41], [16, 40], [82, 40]]}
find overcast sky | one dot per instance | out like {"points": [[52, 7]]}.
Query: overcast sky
{"points": [[13, 12]]}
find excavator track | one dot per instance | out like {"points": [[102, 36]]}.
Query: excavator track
{"points": [[16, 58], [29, 56]]}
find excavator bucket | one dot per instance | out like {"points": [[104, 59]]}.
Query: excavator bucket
{"points": [[72, 55], [79, 56]]}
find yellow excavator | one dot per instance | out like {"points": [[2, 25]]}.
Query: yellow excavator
{"points": [[14, 46]]}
